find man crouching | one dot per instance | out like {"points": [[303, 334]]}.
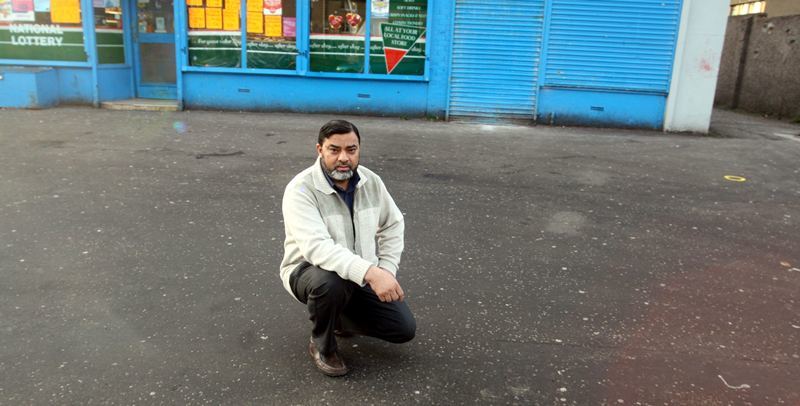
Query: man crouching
{"points": [[334, 212]]}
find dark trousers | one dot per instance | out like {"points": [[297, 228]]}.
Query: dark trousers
{"points": [[336, 303]]}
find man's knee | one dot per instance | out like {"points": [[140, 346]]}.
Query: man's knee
{"points": [[405, 331], [328, 284]]}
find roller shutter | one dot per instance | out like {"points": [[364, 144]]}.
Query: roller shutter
{"points": [[496, 55], [619, 44]]}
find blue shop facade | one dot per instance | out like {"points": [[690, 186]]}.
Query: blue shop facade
{"points": [[550, 61]]}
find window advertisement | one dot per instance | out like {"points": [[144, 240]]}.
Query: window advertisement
{"points": [[337, 36], [271, 34], [108, 30], [215, 38], [397, 41], [48, 30]]}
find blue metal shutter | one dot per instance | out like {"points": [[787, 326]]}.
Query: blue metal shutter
{"points": [[615, 44], [496, 53]]}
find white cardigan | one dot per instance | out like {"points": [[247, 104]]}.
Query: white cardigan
{"points": [[319, 229]]}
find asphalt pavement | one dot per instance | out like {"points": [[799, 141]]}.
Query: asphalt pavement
{"points": [[139, 256]]}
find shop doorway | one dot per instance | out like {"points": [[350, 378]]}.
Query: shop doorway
{"points": [[154, 49]]}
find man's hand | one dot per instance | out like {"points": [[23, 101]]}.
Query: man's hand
{"points": [[384, 284]]}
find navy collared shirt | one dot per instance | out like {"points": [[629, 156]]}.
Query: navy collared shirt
{"points": [[347, 195]]}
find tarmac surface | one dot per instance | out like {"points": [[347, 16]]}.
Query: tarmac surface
{"points": [[139, 257]]}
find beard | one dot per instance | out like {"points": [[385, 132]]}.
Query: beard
{"points": [[336, 174]]}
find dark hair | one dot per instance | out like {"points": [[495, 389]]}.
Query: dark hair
{"points": [[334, 127]]}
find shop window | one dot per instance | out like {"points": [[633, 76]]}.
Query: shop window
{"points": [[271, 34], [753, 7], [396, 36], [214, 34], [47, 30], [108, 29], [397, 44], [337, 35], [337, 31]]}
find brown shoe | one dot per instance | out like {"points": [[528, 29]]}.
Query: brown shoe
{"points": [[331, 365], [343, 333]]}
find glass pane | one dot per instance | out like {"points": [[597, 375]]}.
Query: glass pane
{"points": [[271, 34], [47, 30], [155, 16], [215, 38], [337, 35], [157, 63], [397, 42], [108, 27]]}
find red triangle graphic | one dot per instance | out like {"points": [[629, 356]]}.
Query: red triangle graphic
{"points": [[393, 57]]}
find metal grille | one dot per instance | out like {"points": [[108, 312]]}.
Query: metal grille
{"points": [[616, 44], [496, 56]]}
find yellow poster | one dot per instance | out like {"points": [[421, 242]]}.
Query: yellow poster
{"points": [[214, 18], [255, 24], [65, 11], [194, 3], [197, 17], [255, 6], [233, 5], [230, 19], [214, 3], [272, 26]]}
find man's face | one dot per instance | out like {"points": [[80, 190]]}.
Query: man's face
{"points": [[340, 154]]}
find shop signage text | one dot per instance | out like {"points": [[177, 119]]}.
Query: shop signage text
{"points": [[53, 35]]}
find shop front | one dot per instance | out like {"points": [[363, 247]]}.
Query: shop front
{"points": [[70, 44], [620, 64], [355, 56]]}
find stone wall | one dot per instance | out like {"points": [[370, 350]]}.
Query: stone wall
{"points": [[760, 67]]}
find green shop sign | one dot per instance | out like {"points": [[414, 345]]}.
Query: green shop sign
{"points": [[224, 51], [347, 55], [271, 54], [397, 42], [43, 42], [408, 12]]}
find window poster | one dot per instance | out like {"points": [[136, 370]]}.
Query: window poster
{"points": [[273, 8], [197, 17], [273, 26], [408, 12], [255, 24], [17, 10], [22, 6], [213, 18], [380, 8], [214, 3], [397, 42], [230, 20], [65, 11], [6, 13], [255, 6], [289, 27], [41, 6]]}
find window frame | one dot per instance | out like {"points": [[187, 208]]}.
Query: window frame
{"points": [[303, 45]]}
